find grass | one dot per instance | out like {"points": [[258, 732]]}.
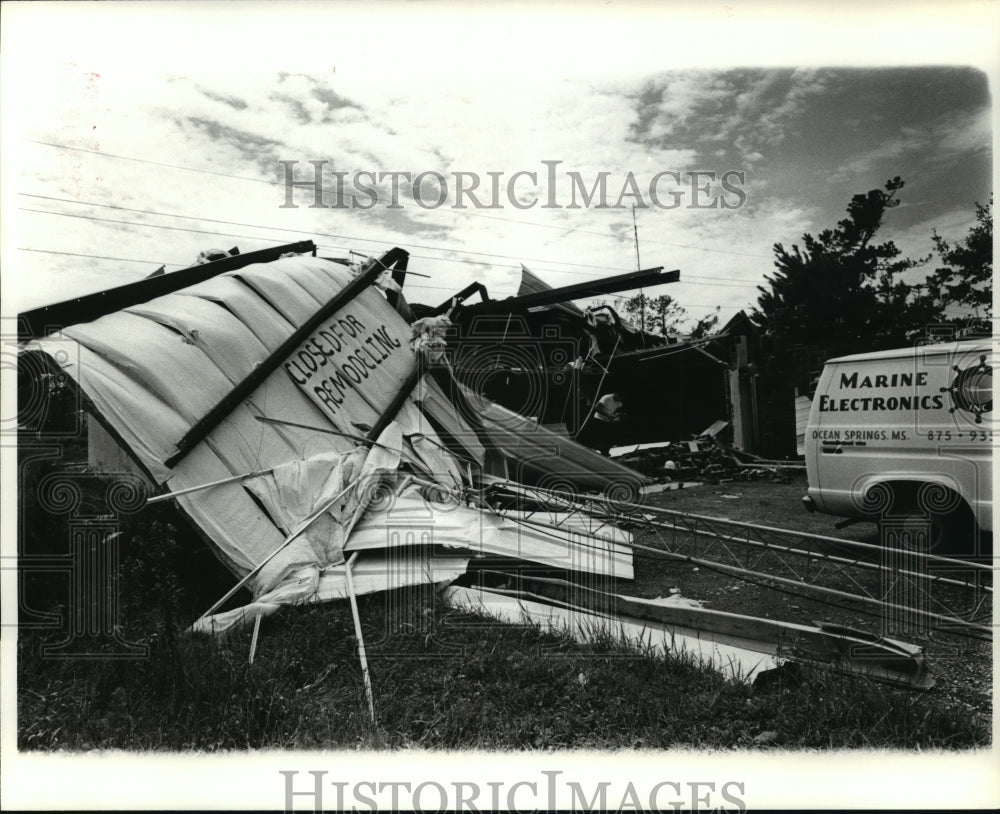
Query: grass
{"points": [[453, 681]]}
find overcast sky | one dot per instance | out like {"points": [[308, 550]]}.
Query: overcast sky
{"points": [[146, 137]]}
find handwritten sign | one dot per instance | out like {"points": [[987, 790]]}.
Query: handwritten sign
{"points": [[355, 362]]}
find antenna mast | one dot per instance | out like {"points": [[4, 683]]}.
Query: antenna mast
{"points": [[638, 267], [635, 231]]}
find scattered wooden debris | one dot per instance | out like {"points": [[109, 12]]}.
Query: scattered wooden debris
{"points": [[704, 458]]}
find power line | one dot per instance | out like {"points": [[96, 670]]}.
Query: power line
{"points": [[97, 256], [293, 231], [612, 235], [701, 279], [163, 263], [149, 161], [342, 194], [182, 265]]}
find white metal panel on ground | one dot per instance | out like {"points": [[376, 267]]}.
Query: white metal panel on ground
{"points": [[385, 571], [156, 369], [485, 534], [738, 663]]}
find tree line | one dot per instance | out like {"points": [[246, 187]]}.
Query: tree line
{"points": [[842, 291]]}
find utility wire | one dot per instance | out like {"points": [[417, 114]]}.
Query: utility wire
{"points": [[98, 256], [354, 198], [616, 237], [293, 231], [408, 286], [149, 161], [701, 279]]}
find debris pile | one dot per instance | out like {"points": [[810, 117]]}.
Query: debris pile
{"points": [[322, 443], [705, 459]]}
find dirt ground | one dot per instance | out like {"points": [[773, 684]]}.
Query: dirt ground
{"points": [[961, 666]]}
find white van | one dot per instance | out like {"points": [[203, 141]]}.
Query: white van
{"points": [[906, 433]]}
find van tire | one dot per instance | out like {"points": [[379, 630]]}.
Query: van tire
{"points": [[953, 529]]}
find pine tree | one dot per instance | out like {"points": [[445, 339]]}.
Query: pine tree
{"points": [[841, 293], [966, 278]]}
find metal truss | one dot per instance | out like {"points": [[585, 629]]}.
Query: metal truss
{"points": [[932, 593]]}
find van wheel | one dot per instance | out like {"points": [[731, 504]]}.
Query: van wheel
{"points": [[953, 526], [952, 529]]}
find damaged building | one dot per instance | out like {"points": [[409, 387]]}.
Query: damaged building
{"points": [[541, 355], [328, 439]]}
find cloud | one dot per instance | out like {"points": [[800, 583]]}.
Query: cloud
{"points": [[967, 133], [233, 101], [943, 140], [775, 124], [916, 240], [749, 111], [230, 130]]}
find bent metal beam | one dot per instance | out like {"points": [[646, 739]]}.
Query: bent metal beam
{"points": [[228, 403], [607, 285], [40, 321]]}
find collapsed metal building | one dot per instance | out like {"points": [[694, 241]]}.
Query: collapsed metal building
{"points": [[327, 439], [544, 357]]}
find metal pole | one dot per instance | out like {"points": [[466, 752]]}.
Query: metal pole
{"points": [[199, 487], [638, 265], [256, 633], [625, 506], [361, 640], [635, 230], [949, 621]]}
